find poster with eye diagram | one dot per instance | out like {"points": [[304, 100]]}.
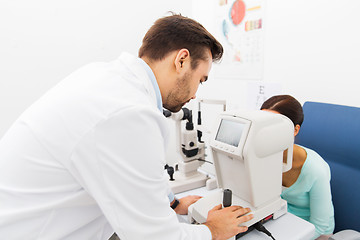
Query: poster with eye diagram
{"points": [[239, 26]]}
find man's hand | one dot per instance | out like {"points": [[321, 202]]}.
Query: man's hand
{"points": [[184, 204], [224, 222]]}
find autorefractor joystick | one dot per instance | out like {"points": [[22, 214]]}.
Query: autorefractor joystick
{"points": [[227, 197]]}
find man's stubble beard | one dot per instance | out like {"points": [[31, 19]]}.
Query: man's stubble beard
{"points": [[173, 101]]}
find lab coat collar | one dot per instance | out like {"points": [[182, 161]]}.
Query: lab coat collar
{"points": [[154, 84], [135, 65]]}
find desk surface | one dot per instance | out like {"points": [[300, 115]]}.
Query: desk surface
{"points": [[287, 227]]}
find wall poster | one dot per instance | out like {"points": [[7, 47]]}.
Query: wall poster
{"points": [[239, 26]]}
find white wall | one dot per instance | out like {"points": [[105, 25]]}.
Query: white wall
{"points": [[43, 41], [311, 47]]}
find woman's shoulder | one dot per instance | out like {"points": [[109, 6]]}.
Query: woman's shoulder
{"points": [[315, 163]]}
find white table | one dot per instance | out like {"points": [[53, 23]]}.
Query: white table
{"points": [[287, 227]]}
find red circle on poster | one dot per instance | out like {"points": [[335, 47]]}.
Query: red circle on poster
{"points": [[237, 12]]}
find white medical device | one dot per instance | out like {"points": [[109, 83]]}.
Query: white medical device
{"points": [[247, 150], [185, 175]]}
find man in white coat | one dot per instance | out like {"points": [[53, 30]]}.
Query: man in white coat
{"points": [[87, 159]]}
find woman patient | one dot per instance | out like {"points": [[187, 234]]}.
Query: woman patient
{"points": [[306, 186]]}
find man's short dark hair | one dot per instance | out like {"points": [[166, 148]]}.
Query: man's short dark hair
{"points": [[176, 32]]}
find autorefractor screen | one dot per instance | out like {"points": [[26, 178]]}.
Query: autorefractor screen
{"points": [[230, 132]]}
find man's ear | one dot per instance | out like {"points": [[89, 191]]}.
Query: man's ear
{"points": [[296, 129], [182, 59]]}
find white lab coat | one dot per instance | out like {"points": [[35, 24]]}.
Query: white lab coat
{"points": [[87, 159]]}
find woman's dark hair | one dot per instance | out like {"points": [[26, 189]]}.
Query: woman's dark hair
{"points": [[176, 32], [285, 105]]}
